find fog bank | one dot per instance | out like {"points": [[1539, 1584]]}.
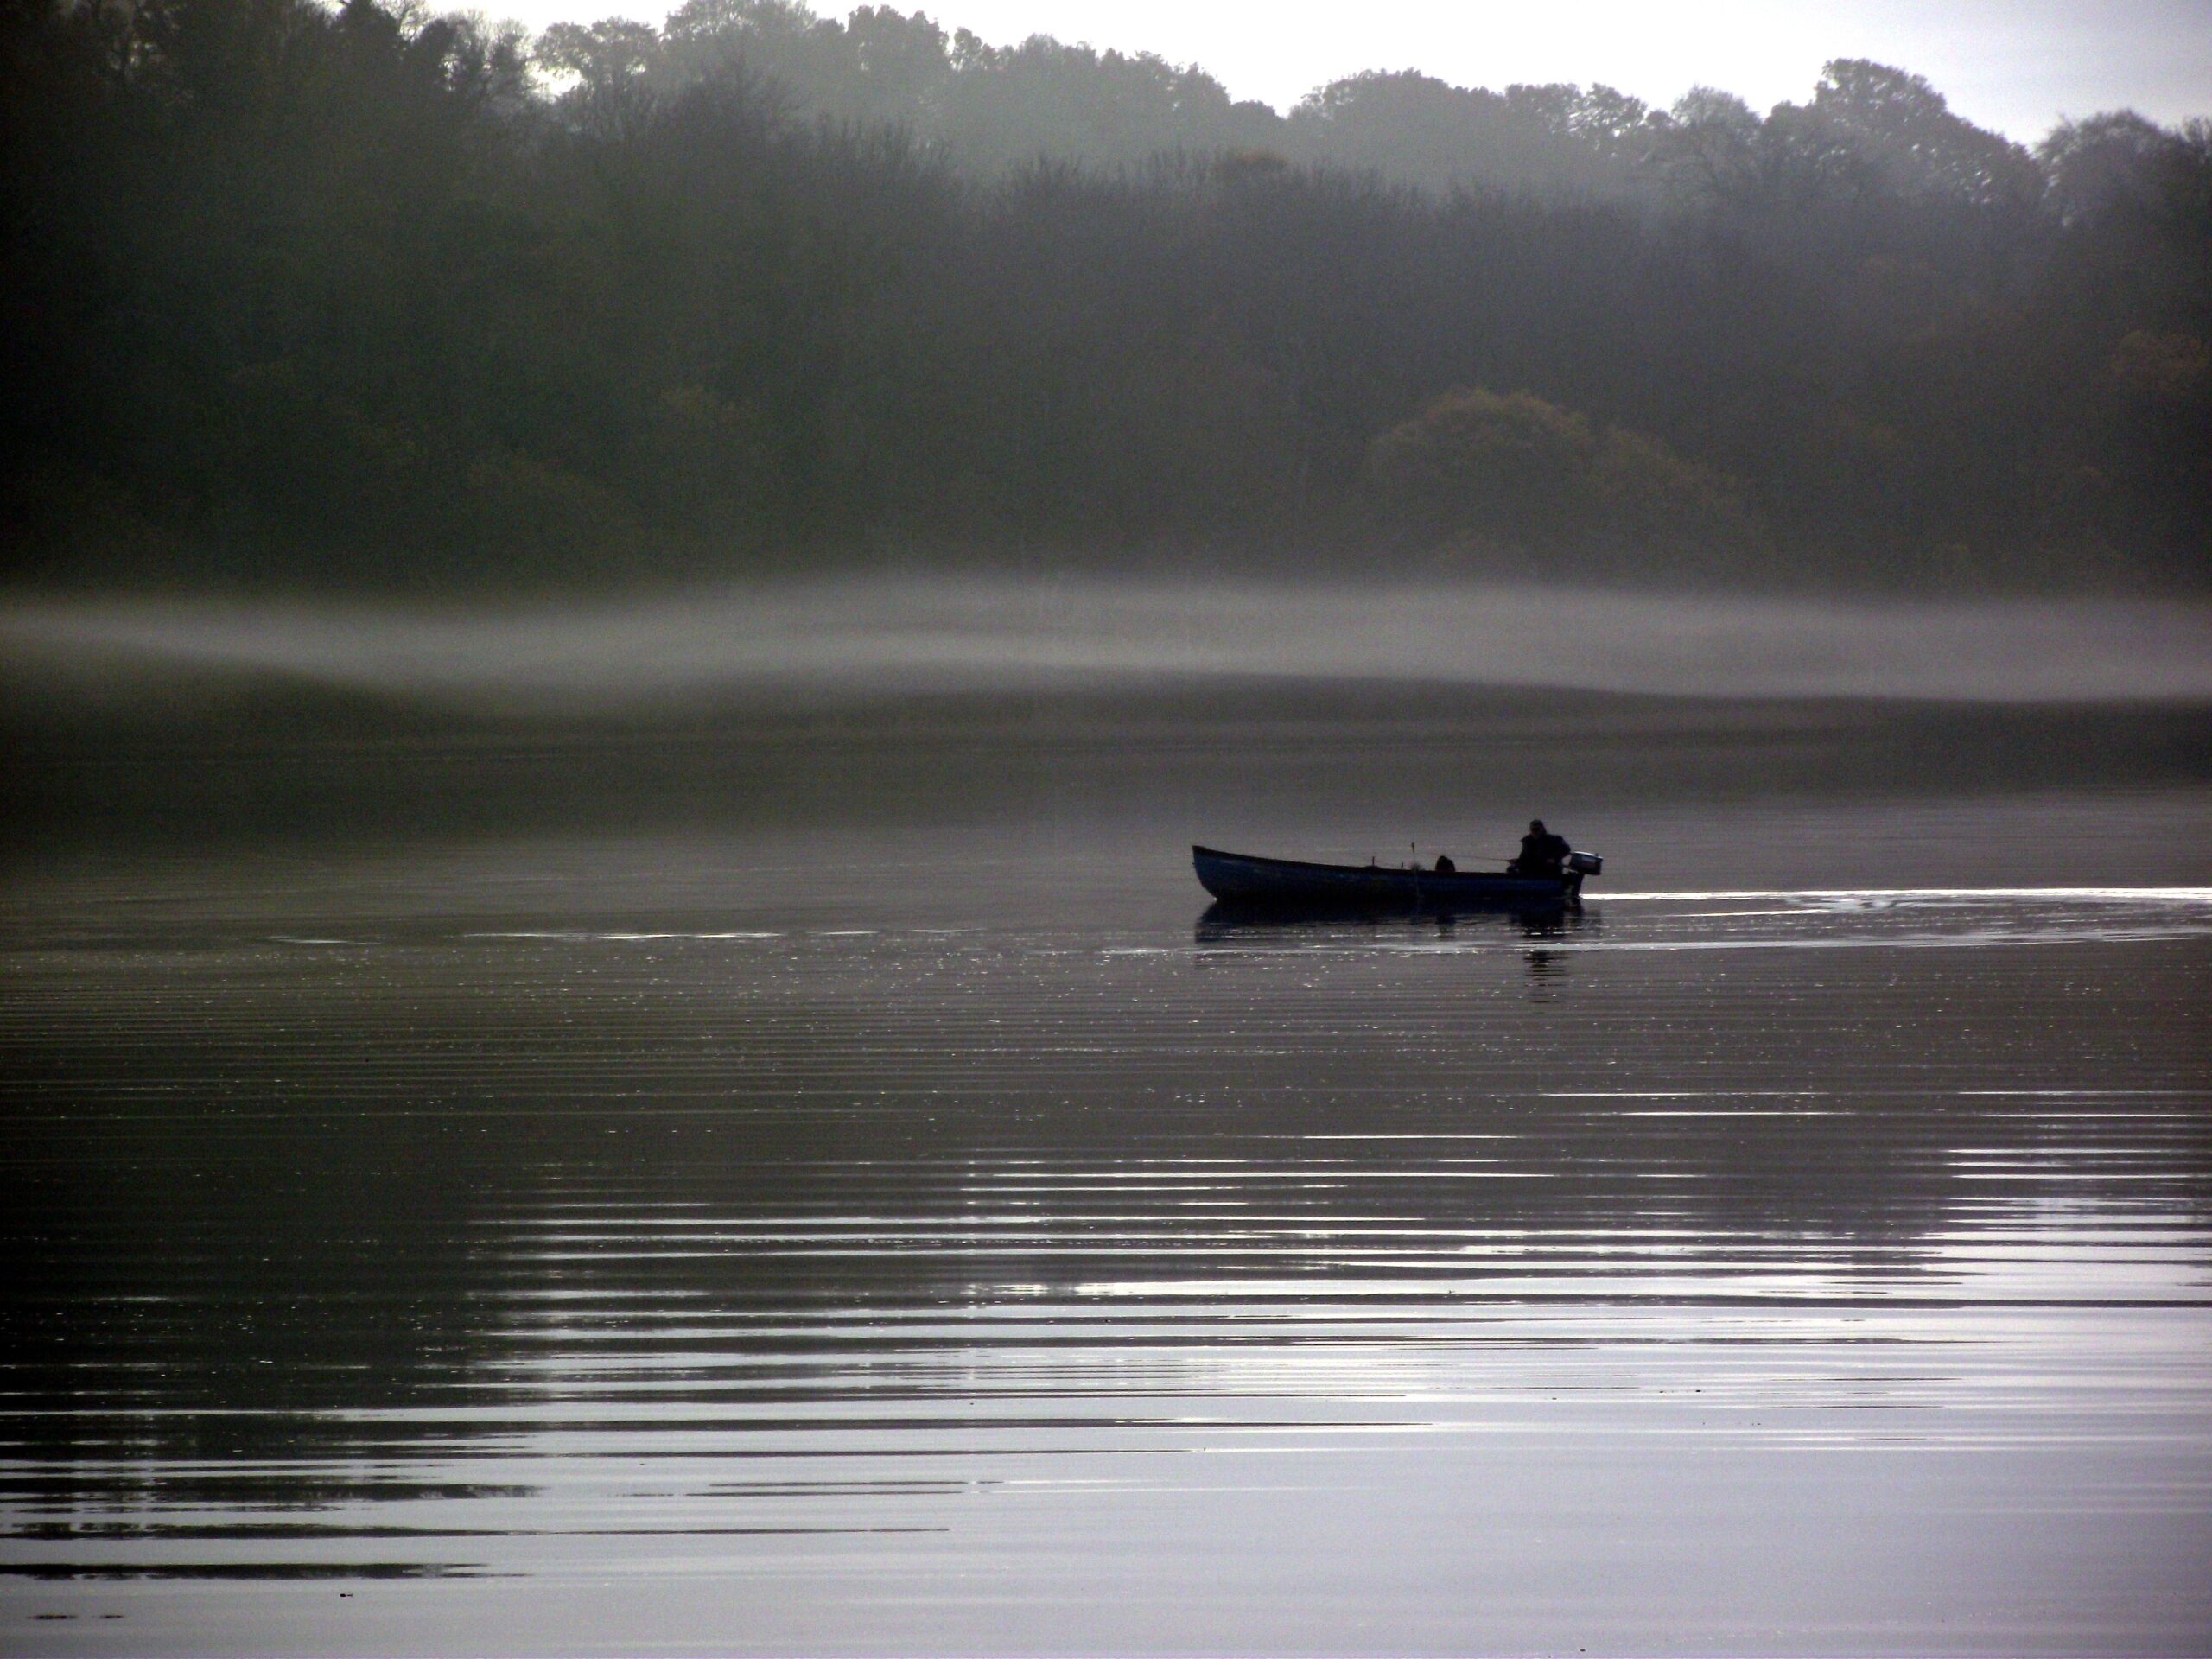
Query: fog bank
{"points": [[872, 636]]}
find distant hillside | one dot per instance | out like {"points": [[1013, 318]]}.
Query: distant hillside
{"points": [[371, 299]]}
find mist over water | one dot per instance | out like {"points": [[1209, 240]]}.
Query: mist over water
{"points": [[618, 649], [892, 633], [797, 1164]]}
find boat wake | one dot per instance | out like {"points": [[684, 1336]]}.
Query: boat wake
{"points": [[1778, 919]]}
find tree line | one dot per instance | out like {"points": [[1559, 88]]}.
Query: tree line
{"points": [[371, 297]]}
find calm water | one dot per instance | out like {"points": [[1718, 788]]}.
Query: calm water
{"points": [[821, 1182]]}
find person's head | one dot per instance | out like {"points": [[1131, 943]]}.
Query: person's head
{"points": [[1536, 826]]}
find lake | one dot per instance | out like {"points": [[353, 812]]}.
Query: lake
{"points": [[809, 1175]]}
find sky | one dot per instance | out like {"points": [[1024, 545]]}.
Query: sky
{"points": [[2016, 66]]}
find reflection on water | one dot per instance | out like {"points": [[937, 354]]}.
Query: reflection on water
{"points": [[466, 1254], [1228, 924], [1247, 928]]}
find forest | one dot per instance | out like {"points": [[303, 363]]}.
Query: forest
{"points": [[374, 299]]}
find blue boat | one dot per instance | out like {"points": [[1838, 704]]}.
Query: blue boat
{"points": [[1247, 881]]}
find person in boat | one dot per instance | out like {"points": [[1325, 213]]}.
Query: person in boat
{"points": [[1543, 853]]}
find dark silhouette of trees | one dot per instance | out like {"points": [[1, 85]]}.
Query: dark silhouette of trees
{"points": [[367, 297], [1516, 472]]}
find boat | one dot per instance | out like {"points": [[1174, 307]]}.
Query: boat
{"points": [[1244, 881]]}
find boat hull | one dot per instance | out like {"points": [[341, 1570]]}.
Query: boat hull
{"points": [[1242, 879]]}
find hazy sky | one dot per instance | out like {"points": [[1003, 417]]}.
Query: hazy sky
{"points": [[2014, 65]]}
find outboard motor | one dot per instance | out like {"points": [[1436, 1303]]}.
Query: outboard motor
{"points": [[1578, 865]]}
